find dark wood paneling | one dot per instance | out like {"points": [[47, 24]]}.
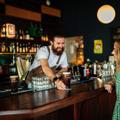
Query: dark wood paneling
{"points": [[50, 11], [81, 103], [2, 1], [22, 13], [97, 108], [62, 114]]}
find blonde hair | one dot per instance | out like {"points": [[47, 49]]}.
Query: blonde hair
{"points": [[117, 52]]}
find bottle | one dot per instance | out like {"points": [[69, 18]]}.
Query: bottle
{"points": [[105, 71], [72, 72], [12, 67], [23, 48], [78, 73], [0, 47], [81, 69], [27, 36], [86, 72], [99, 70], [3, 47], [20, 48], [91, 70], [26, 48], [20, 35], [88, 61], [46, 38], [95, 69], [11, 47], [17, 47], [3, 31], [43, 38], [16, 35], [6, 47]]}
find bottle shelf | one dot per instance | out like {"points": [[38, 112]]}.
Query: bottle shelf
{"points": [[36, 40], [16, 53], [15, 46]]}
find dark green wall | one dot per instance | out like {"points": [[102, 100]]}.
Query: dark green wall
{"points": [[79, 18]]}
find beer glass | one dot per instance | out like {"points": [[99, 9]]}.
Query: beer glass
{"points": [[14, 83], [67, 79]]}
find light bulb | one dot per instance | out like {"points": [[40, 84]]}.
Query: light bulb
{"points": [[48, 2]]}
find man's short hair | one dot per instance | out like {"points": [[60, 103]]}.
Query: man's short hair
{"points": [[52, 38]]}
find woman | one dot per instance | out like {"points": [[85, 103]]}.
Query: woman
{"points": [[108, 87]]}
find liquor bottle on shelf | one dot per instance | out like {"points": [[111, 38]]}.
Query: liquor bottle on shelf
{"points": [[3, 31], [6, 48], [11, 47], [27, 36], [23, 48], [17, 47], [43, 38], [20, 35], [16, 35], [13, 68], [3, 47], [0, 47], [26, 48], [20, 48], [46, 38]]}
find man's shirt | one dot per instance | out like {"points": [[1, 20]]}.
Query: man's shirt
{"points": [[43, 53]]}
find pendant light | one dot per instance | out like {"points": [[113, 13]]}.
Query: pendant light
{"points": [[106, 14], [48, 2]]}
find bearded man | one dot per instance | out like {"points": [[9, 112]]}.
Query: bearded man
{"points": [[51, 58]]}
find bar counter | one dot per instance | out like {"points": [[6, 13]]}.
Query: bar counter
{"points": [[86, 101]]}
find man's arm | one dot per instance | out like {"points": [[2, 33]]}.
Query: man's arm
{"points": [[48, 72], [46, 69]]}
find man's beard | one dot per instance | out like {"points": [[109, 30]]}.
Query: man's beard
{"points": [[55, 50]]}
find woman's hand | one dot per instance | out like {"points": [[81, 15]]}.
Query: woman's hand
{"points": [[60, 85], [108, 87]]}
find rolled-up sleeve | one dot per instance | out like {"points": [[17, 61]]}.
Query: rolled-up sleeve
{"points": [[42, 53]]}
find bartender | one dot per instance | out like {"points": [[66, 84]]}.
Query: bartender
{"points": [[52, 60]]}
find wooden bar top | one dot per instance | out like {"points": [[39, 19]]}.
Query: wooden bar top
{"points": [[33, 104]]}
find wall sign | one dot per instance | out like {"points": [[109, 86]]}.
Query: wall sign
{"points": [[98, 47]]}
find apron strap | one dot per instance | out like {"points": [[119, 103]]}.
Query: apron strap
{"points": [[49, 56]]}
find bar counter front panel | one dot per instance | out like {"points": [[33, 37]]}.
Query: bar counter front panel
{"points": [[86, 101]]}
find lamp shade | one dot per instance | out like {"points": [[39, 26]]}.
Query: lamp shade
{"points": [[106, 14]]}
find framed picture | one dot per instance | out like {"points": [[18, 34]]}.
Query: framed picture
{"points": [[11, 29], [98, 47]]}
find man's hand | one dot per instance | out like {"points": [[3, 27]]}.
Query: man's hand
{"points": [[108, 87], [60, 85]]}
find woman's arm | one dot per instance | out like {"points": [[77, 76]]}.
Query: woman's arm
{"points": [[108, 86]]}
